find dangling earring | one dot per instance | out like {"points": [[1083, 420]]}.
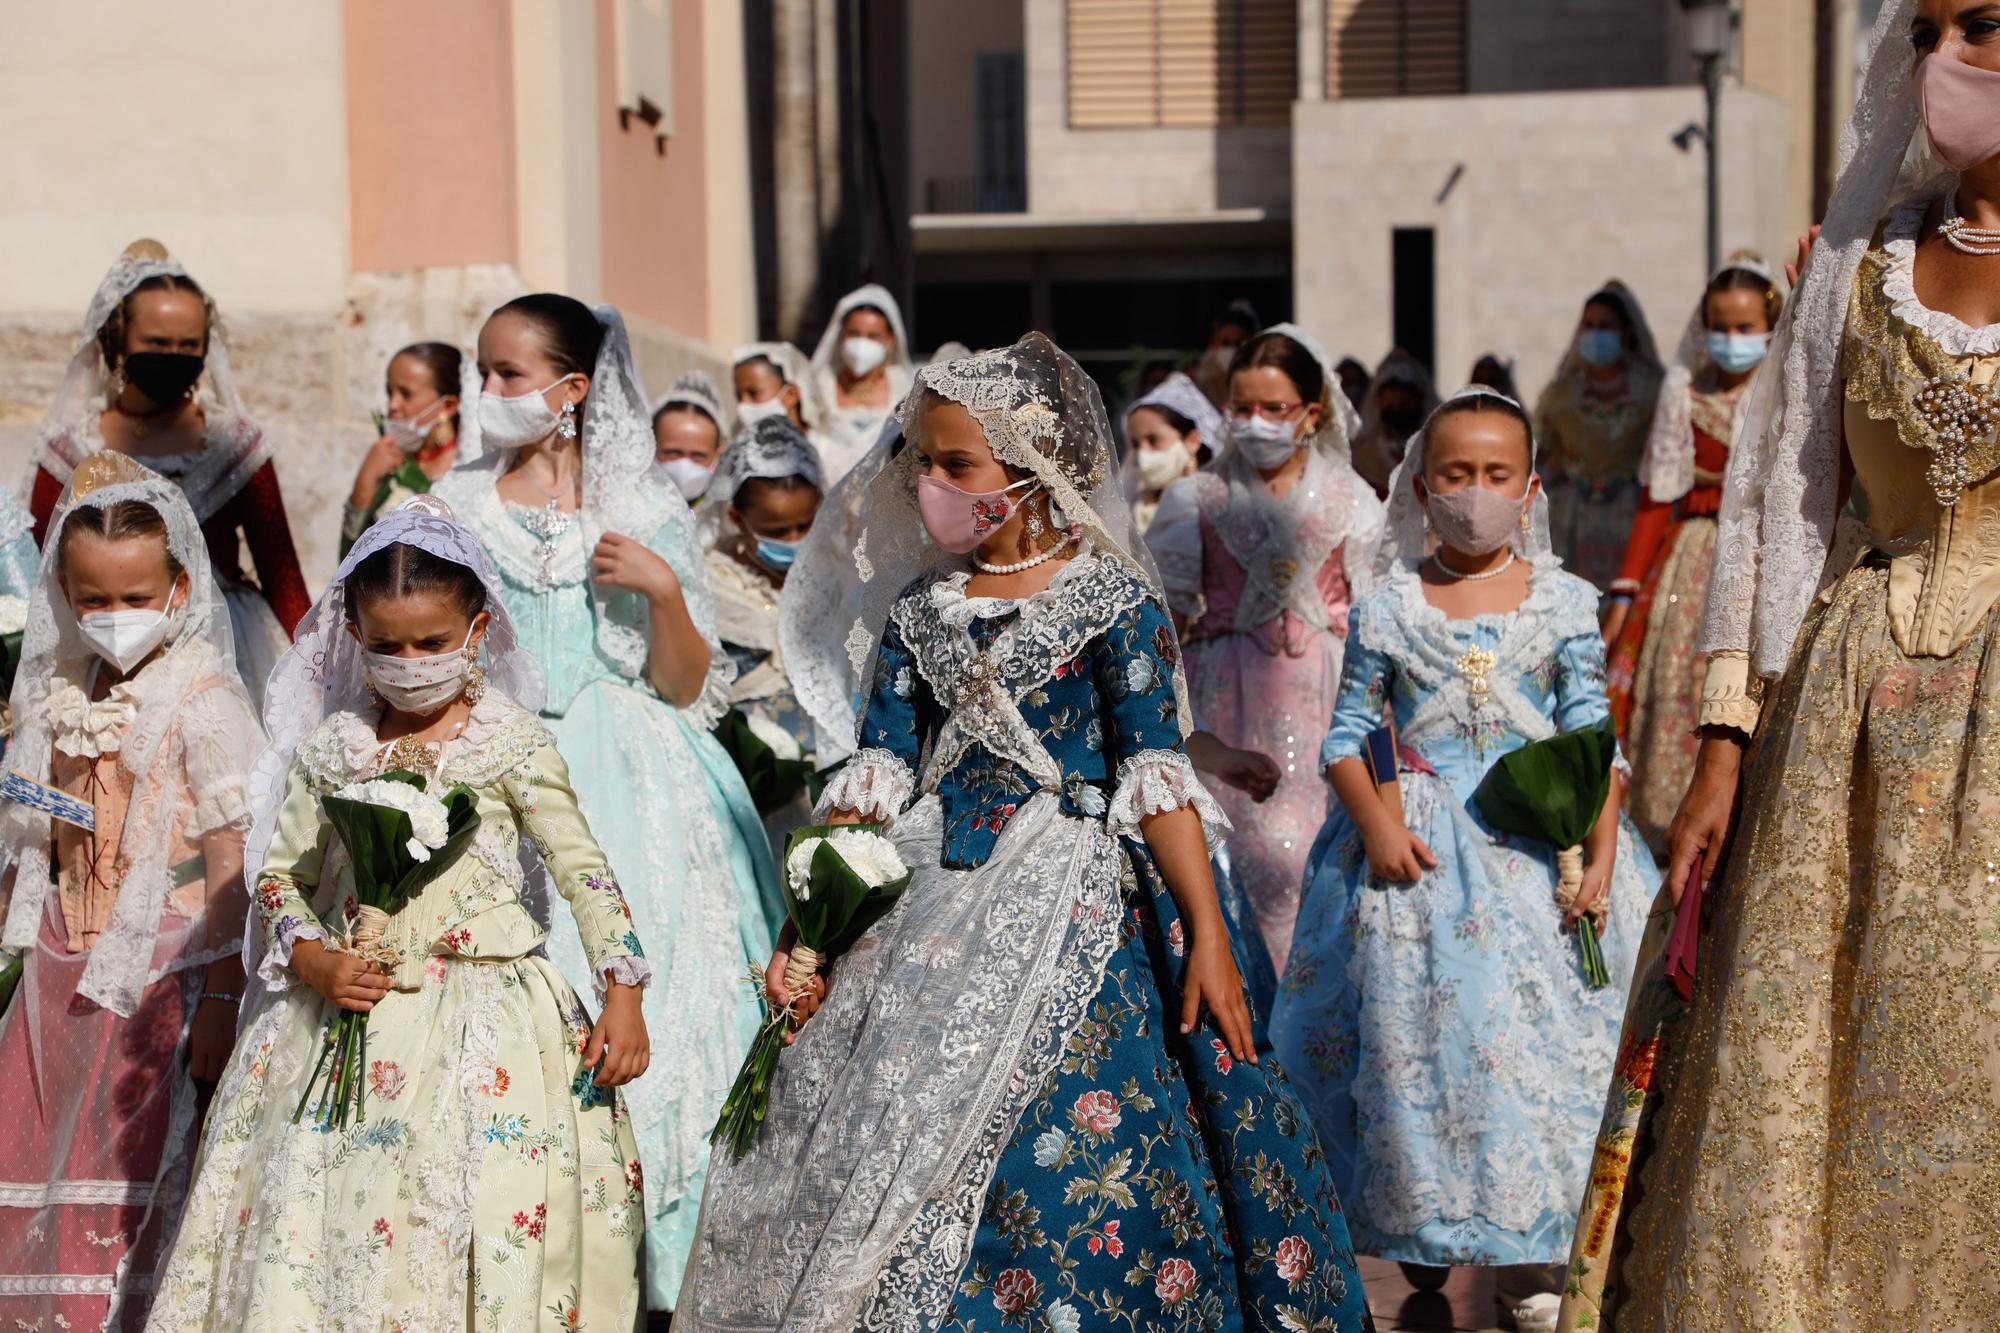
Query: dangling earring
{"points": [[1034, 524], [475, 679], [118, 382], [567, 426], [1057, 518], [1527, 525]]}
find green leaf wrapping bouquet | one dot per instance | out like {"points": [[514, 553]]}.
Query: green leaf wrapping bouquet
{"points": [[398, 838], [839, 880], [1554, 790], [774, 778]]}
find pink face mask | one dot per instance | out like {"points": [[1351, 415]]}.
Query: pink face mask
{"points": [[959, 520], [1960, 104]]}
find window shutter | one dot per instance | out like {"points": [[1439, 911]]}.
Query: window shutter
{"points": [[1190, 63], [1395, 48]]}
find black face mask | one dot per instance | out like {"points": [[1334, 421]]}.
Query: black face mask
{"points": [[1404, 421], [164, 377]]}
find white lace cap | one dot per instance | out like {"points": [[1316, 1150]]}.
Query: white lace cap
{"points": [[1780, 500], [198, 647], [792, 367], [695, 389], [1408, 534], [321, 673], [69, 433], [1666, 467]]}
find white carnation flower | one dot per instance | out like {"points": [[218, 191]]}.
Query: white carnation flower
{"points": [[430, 822], [871, 857], [13, 614]]}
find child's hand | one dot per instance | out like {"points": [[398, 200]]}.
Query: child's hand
{"points": [[1211, 979], [1596, 883], [344, 979], [774, 985], [1249, 772], [618, 1048], [1398, 855], [210, 1040]]}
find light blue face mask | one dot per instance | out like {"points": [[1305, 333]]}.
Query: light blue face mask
{"points": [[777, 555], [1601, 347], [1735, 353]]}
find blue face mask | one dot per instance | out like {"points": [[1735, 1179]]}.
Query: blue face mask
{"points": [[1737, 352], [1601, 347], [777, 555]]}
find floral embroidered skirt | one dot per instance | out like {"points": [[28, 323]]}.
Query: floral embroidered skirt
{"points": [[490, 1184], [1655, 678], [1445, 1041], [1157, 1183], [1826, 1116]]}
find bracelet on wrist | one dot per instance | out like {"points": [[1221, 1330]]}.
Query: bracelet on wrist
{"points": [[224, 996]]}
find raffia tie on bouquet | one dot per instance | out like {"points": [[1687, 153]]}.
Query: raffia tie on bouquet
{"points": [[1569, 869], [367, 939]]}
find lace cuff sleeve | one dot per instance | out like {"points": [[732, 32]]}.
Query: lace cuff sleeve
{"points": [[1730, 695], [875, 784], [631, 970], [287, 920], [712, 704], [1154, 781]]}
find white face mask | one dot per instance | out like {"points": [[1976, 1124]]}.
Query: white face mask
{"points": [[419, 685], [688, 476], [124, 638], [511, 423], [749, 414], [862, 355], [410, 434], [1159, 467], [1266, 443]]}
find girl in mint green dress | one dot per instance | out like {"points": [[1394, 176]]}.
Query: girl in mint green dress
{"points": [[601, 572]]}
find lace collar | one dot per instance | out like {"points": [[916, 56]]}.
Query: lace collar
{"points": [[950, 600], [1544, 583], [497, 738], [90, 728], [1899, 283], [526, 558]]}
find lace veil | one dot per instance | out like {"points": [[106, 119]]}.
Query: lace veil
{"points": [[199, 647], [1177, 393], [70, 432], [1408, 536], [321, 673], [826, 355], [772, 449], [695, 389], [1644, 349], [1666, 469], [1780, 500]]}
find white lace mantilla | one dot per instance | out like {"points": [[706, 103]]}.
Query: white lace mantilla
{"points": [[981, 689]]}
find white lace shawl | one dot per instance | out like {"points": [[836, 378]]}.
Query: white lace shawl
{"points": [[1780, 498], [163, 697]]}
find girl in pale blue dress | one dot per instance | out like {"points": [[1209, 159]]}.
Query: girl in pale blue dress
{"points": [[1440, 1028], [602, 573]]}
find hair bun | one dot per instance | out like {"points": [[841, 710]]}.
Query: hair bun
{"points": [[147, 248], [105, 468]]}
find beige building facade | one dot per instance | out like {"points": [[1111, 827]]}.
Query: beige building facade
{"points": [[348, 176], [1458, 173]]}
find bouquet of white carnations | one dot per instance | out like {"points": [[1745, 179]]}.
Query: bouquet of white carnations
{"points": [[839, 881], [398, 838]]}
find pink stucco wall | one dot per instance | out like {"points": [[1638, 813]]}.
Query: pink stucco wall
{"points": [[655, 221], [430, 134]]}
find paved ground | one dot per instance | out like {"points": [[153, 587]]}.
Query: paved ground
{"points": [[1464, 1306]]}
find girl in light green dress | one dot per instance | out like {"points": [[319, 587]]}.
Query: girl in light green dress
{"points": [[491, 1179]]}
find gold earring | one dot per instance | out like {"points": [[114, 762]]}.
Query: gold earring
{"points": [[475, 679]]}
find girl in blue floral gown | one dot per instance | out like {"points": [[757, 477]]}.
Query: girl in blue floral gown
{"points": [[601, 569], [1029, 1097], [1435, 1014]]}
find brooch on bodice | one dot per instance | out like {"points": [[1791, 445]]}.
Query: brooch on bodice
{"points": [[1282, 570], [1476, 666], [977, 682], [1962, 416]]}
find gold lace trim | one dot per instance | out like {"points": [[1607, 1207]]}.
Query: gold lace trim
{"points": [[1899, 373]]}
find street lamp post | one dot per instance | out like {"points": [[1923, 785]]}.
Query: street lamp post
{"points": [[1710, 27]]}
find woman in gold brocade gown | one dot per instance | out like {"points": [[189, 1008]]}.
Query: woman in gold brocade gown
{"points": [[1814, 1142]]}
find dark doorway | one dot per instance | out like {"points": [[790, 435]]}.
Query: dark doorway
{"points": [[1413, 289]]}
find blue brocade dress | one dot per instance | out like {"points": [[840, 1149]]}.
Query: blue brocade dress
{"points": [[682, 836], [1149, 1181], [1441, 1033]]}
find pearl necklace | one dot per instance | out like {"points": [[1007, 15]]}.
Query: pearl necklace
{"points": [[1029, 563], [1437, 558], [1963, 236]]}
